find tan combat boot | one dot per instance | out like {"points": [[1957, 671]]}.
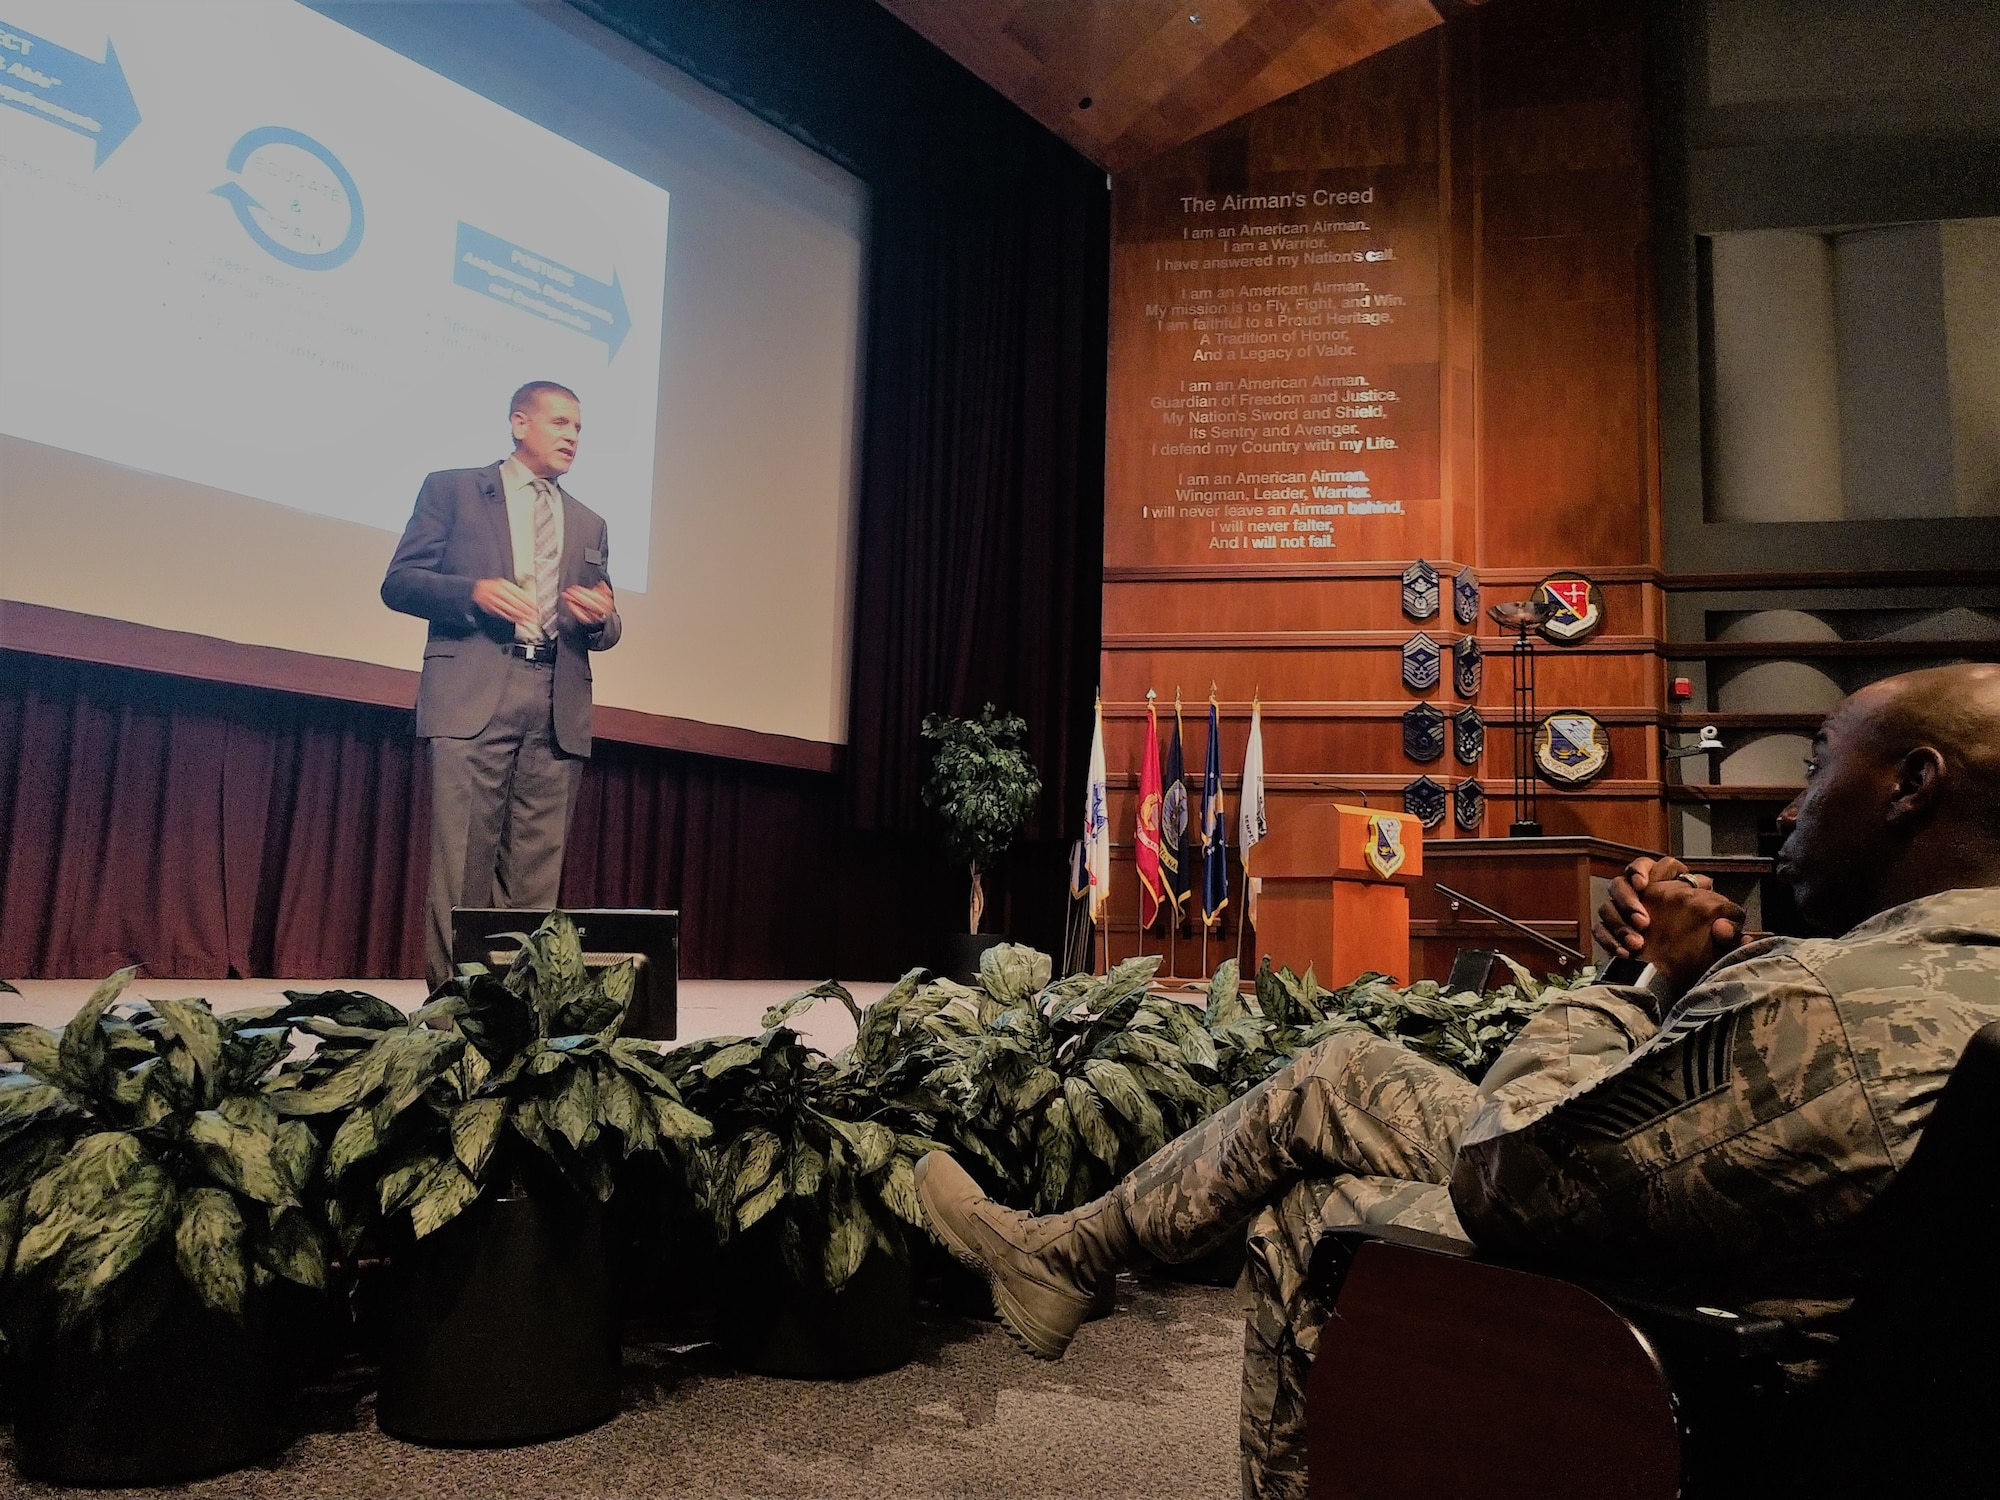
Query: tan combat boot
{"points": [[1045, 1272]]}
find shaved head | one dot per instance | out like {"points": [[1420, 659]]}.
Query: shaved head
{"points": [[1902, 796]]}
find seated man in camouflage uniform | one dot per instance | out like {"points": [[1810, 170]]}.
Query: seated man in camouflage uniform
{"points": [[1712, 1135]]}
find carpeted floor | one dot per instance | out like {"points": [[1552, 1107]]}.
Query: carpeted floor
{"points": [[1144, 1405]]}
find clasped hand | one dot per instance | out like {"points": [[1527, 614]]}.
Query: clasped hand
{"points": [[508, 601], [1674, 919]]}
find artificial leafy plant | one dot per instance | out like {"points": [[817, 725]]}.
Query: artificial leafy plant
{"points": [[983, 786]]}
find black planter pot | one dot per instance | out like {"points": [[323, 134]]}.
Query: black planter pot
{"points": [[501, 1327], [197, 1393], [774, 1326], [958, 954]]}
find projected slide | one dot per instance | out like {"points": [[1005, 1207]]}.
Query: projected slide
{"points": [[246, 247]]}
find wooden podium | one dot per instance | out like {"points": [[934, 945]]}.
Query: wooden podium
{"points": [[1334, 896]]}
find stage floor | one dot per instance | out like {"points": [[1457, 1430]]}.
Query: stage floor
{"points": [[708, 1007]]}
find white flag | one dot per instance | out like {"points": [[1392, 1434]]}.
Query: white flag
{"points": [[1250, 827], [1097, 824]]}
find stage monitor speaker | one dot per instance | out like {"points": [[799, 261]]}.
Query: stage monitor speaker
{"points": [[651, 939]]}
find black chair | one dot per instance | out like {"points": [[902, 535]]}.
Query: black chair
{"points": [[1441, 1374]]}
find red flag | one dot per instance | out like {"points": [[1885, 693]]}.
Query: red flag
{"points": [[1146, 839]]}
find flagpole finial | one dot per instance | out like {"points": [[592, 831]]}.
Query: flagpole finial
{"points": [[1177, 695], [1151, 695]]}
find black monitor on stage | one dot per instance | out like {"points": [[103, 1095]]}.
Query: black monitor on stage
{"points": [[651, 939]]}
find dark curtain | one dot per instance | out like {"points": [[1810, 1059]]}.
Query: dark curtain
{"points": [[981, 522]]}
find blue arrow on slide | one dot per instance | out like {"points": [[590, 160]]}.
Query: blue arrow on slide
{"points": [[548, 289], [66, 88]]}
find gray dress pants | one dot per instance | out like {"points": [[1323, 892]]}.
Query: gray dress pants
{"points": [[500, 809]]}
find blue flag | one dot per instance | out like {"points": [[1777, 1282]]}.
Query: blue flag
{"points": [[1176, 847], [1214, 828]]}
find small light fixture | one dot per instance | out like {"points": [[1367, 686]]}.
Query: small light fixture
{"points": [[1084, 102], [1194, 18]]}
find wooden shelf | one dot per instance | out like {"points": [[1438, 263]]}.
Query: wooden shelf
{"points": [[1831, 578], [1690, 721], [1985, 650], [1710, 791]]}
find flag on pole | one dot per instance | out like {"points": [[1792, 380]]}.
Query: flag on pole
{"points": [[1250, 827], [1146, 836], [1097, 823], [1214, 828], [1176, 863]]}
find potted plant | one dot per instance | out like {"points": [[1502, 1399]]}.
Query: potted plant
{"points": [[478, 1139], [808, 1182], [152, 1213], [982, 786]]}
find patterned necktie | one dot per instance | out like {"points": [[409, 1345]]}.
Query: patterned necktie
{"points": [[548, 558]]}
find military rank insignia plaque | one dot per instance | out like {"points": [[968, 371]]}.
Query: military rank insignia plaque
{"points": [[1465, 596], [1468, 666], [1468, 806], [1576, 607], [1425, 800], [1571, 748], [1423, 661], [1420, 590], [1468, 736], [1423, 733]]}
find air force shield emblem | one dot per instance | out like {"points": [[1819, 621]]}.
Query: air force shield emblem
{"points": [[1424, 800], [1468, 806], [1465, 596], [1468, 666], [1571, 748], [1422, 663], [1385, 852], [1423, 733], [1576, 607], [1468, 736], [1420, 590]]}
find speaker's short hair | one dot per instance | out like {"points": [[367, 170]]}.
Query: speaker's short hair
{"points": [[524, 399]]}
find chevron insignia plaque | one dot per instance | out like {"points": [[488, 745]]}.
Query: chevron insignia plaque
{"points": [[1468, 666], [1425, 800], [1420, 590], [1422, 662], [1423, 734], [1465, 597], [1468, 806], [1468, 736]]}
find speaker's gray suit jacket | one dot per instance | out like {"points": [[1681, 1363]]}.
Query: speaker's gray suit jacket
{"points": [[457, 536]]}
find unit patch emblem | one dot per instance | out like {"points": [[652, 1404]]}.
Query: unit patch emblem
{"points": [[1422, 662], [1576, 607], [1420, 590], [1571, 748], [1424, 800], [1385, 852]]}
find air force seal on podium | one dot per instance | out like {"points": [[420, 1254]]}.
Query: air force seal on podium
{"points": [[1420, 590], [1422, 663], [1571, 748], [1468, 666], [1385, 852], [1423, 733], [1576, 607], [1468, 805], [1465, 596], [1468, 736], [1424, 800]]}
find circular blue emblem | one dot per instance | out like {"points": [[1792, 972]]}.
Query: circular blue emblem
{"points": [[294, 198]]}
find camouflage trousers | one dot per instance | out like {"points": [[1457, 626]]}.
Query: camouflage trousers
{"points": [[1354, 1131]]}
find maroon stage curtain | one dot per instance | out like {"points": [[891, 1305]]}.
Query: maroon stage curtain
{"points": [[210, 831]]}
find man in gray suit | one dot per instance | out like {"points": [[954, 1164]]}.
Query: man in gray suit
{"points": [[513, 575]]}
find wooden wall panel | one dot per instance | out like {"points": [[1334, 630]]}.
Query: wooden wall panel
{"points": [[1505, 162]]}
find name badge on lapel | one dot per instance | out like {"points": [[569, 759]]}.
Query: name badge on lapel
{"points": [[594, 556]]}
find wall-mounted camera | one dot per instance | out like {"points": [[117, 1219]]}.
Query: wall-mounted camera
{"points": [[1708, 739]]}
